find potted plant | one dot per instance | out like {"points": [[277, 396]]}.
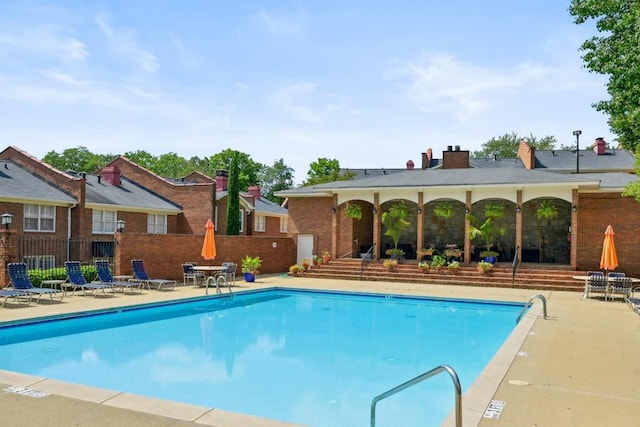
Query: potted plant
{"points": [[489, 256], [395, 222], [424, 266], [390, 263], [326, 257], [353, 211], [426, 252], [438, 262], [294, 269], [394, 253], [547, 210], [489, 229], [453, 266], [484, 266], [250, 267], [452, 252], [443, 210], [306, 263]]}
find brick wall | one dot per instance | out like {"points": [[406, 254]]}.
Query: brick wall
{"points": [[595, 212], [312, 216], [165, 254]]}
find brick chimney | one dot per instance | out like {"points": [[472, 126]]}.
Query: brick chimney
{"points": [[599, 146], [527, 154], [222, 179], [254, 190], [455, 159], [410, 165], [111, 174], [426, 158]]}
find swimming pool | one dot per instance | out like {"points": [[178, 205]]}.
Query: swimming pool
{"points": [[314, 358]]}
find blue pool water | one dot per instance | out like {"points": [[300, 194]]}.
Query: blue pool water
{"points": [[313, 358]]}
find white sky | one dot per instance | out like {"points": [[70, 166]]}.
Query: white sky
{"points": [[370, 83]]}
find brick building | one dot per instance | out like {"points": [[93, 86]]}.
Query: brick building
{"points": [[585, 187]]}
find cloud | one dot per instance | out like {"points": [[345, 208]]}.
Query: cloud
{"points": [[288, 100], [280, 23], [124, 44], [44, 41], [441, 82]]}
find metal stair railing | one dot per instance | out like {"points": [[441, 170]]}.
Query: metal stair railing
{"points": [[528, 304], [418, 379], [366, 260]]}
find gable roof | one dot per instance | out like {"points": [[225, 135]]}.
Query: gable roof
{"points": [[262, 206], [19, 184], [129, 195]]}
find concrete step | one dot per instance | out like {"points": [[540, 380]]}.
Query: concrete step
{"points": [[527, 277]]}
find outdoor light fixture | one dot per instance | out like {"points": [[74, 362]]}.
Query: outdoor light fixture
{"points": [[466, 210], [374, 210], [577, 135], [333, 209], [518, 208], [7, 219], [574, 208], [120, 225], [419, 211]]}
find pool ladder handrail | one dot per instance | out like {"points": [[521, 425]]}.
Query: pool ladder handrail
{"points": [[418, 379], [528, 304], [216, 281]]}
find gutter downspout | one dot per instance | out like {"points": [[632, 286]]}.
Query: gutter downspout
{"points": [[69, 229]]}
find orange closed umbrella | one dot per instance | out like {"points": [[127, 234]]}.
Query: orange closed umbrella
{"points": [[209, 245], [609, 258]]}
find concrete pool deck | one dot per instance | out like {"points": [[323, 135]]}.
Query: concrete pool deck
{"points": [[577, 368]]}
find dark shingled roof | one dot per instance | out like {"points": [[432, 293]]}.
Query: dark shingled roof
{"points": [[19, 183], [263, 206], [127, 194]]}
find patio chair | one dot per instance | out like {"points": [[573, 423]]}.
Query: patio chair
{"points": [[633, 299], [188, 274], [106, 278], [228, 272], [77, 281], [140, 274], [20, 281], [597, 283], [619, 285]]}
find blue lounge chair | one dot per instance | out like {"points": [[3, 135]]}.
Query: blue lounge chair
{"points": [[106, 278], [77, 280], [21, 282], [5, 294], [140, 274]]}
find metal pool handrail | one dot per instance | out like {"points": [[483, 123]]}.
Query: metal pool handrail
{"points": [[418, 379], [528, 304]]}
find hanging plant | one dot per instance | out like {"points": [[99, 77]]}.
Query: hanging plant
{"points": [[353, 211], [443, 210]]}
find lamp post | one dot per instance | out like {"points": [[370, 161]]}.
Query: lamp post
{"points": [[7, 219], [120, 225], [577, 134]]}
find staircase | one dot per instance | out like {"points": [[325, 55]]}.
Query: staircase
{"points": [[528, 276]]}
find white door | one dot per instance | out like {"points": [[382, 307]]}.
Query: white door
{"points": [[305, 247]]}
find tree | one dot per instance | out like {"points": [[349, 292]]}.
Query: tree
{"points": [[275, 178], [141, 158], [78, 159], [233, 198], [247, 169], [633, 189], [506, 146], [615, 53], [171, 165], [325, 170]]}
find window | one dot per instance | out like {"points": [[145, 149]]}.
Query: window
{"points": [[261, 223], [241, 220], [102, 249], [156, 224], [39, 218], [284, 224], [43, 262], [104, 222]]}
